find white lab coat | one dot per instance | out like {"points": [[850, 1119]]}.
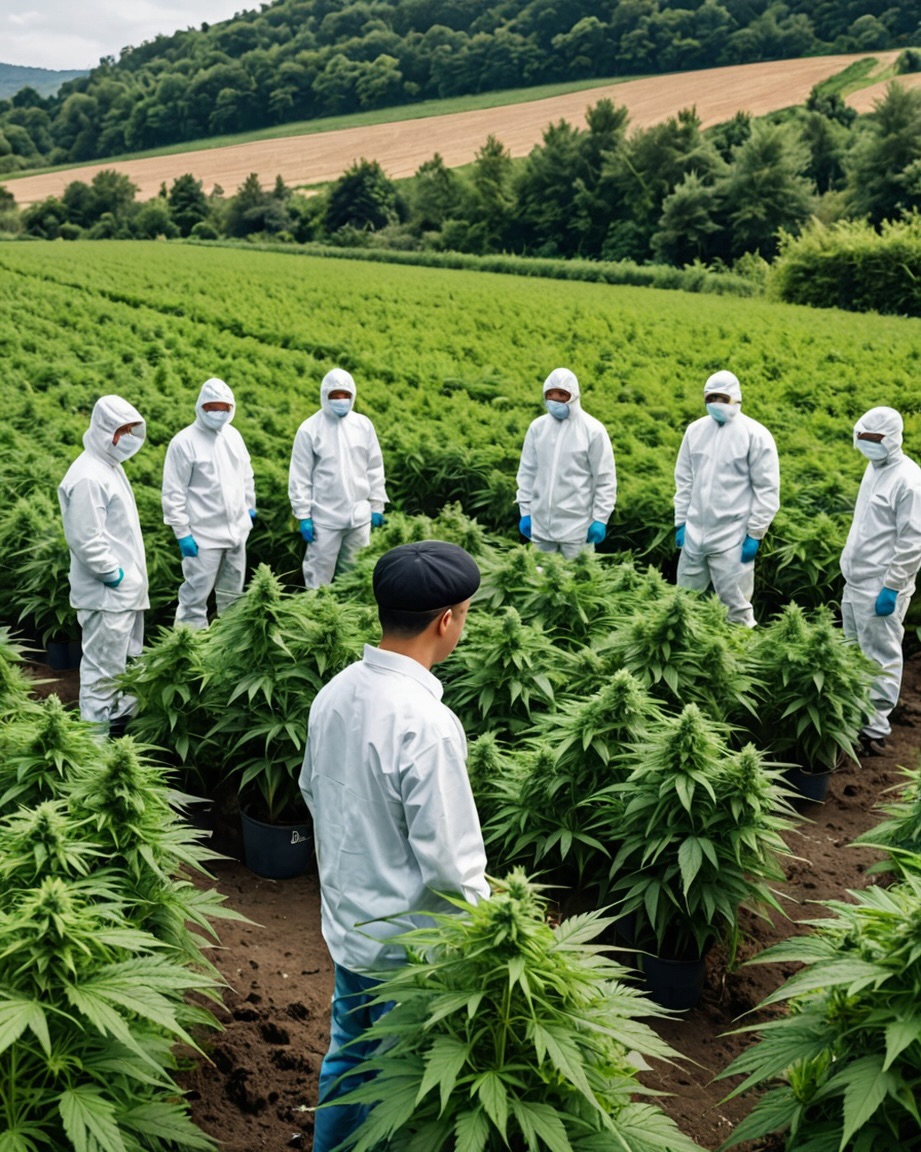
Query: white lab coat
{"points": [[100, 517], [385, 779], [566, 477], [727, 484], [208, 486], [103, 533], [883, 550]]}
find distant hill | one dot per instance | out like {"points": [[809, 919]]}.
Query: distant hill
{"points": [[45, 81]]}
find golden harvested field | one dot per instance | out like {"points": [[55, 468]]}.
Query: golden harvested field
{"points": [[717, 93]]}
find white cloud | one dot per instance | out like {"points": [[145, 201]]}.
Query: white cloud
{"points": [[68, 34]]}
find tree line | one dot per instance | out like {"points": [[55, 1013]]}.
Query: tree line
{"points": [[301, 59]]}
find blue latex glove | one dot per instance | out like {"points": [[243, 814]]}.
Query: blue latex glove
{"points": [[306, 527], [596, 532], [187, 546], [524, 526], [377, 519], [885, 602], [121, 575], [679, 535], [252, 514], [749, 549]]}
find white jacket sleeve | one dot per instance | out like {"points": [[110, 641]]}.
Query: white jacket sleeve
{"points": [[177, 475], [907, 559], [249, 482], [684, 482], [300, 476], [527, 471], [442, 823], [84, 528], [377, 491], [601, 454], [765, 480]]}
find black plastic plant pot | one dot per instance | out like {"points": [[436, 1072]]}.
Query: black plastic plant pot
{"points": [[64, 654], [276, 851], [812, 786], [674, 984]]}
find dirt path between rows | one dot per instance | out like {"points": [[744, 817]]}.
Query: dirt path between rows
{"points": [[400, 147]]}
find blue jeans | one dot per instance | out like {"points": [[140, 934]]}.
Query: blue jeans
{"points": [[352, 1014]]}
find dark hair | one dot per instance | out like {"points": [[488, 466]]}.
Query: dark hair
{"points": [[396, 622]]}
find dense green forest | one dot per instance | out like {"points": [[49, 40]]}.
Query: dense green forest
{"points": [[300, 59]]}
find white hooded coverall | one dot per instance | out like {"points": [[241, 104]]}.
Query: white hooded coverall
{"points": [[103, 534], [566, 477], [883, 550], [336, 479], [727, 487], [208, 491]]}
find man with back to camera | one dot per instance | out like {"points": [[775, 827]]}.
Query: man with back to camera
{"points": [[336, 481], [727, 492], [386, 783], [209, 501], [567, 483], [880, 562], [108, 568]]}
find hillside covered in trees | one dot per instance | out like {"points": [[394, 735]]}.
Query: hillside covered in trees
{"points": [[301, 59]]}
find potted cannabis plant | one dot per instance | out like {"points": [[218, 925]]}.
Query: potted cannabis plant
{"points": [[843, 1067], [507, 1033], [700, 837], [812, 695]]}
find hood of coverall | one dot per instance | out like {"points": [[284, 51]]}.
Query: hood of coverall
{"points": [[725, 382], [563, 378], [334, 381], [214, 391], [887, 421], [109, 414]]}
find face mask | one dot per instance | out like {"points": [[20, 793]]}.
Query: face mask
{"points": [[126, 447], [215, 420], [557, 410], [340, 407], [872, 450], [722, 412]]}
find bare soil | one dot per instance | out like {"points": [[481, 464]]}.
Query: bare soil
{"points": [[256, 1087], [400, 147]]}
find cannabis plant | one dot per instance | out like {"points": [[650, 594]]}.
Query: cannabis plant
{"points": [[503, 673], [812, 688], [682, 649], [843, 1068], [15, 686], [558, 810], [35, 587], [508, 1033], [700, 836], [166, 680], [264, 660], [900, 833]]}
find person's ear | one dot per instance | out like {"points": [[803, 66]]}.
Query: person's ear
{"points": [[444, 621]]}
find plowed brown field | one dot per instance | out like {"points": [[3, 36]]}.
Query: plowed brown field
{"points": [[401, 147], [864, 99]]}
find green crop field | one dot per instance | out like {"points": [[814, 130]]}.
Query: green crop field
{"points": [[449, 365]]}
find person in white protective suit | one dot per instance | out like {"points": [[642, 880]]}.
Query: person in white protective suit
{"points": [[209, 501], [336, 481], [880, 561], [567, 482], [727, 492], [108, 568]]}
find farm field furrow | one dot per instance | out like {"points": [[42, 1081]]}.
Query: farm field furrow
{"points": [[400, 147]]}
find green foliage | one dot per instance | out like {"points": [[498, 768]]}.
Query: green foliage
{"points": [[700, 836], [363, 197], [509, 1033], [812, 689], [843, 1067], [899, 834]]}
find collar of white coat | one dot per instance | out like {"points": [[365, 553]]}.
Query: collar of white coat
{"points": [[214, 391], [385, 661], [109, 414], [336, 380], [565, 379]]}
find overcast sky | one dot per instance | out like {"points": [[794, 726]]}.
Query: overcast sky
{"points": [[76, 33]]}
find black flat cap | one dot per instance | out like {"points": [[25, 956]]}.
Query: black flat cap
{"points": [[424, 576]]}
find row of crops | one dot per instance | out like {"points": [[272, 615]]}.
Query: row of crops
{"points": [[448, 365]]}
